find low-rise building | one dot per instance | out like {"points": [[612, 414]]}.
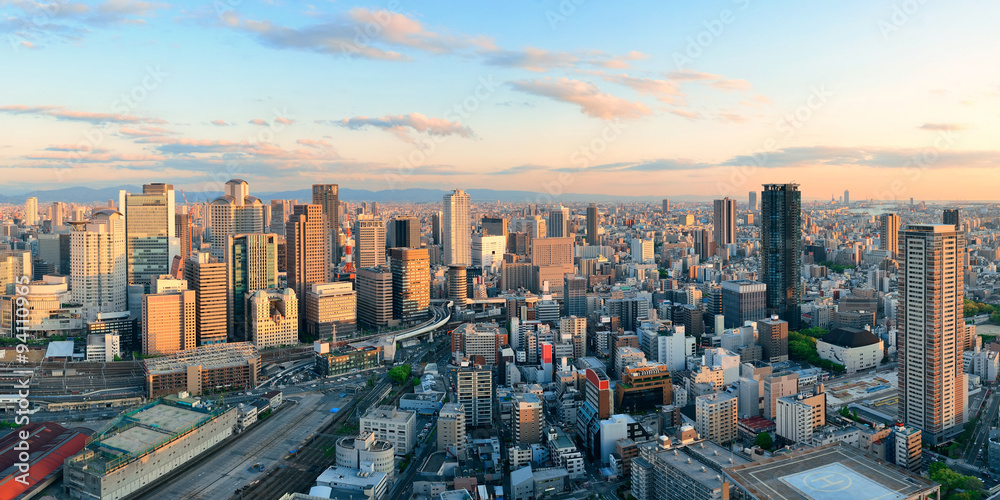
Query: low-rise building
{"points": [[366, 453], [391, 424], [344, 481], [854, 348], [204, 370], [348, 360]]}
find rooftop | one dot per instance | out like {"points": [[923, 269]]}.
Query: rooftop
{"points": [[850, 337], [211, 356], [829, 472]]}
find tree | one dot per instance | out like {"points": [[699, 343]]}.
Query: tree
{"points": [[400, 374], [764, 440]]}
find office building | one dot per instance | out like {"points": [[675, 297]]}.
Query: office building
{"points": [[593, 224], [169, 322], [252, 264], [182, 228], [479, 339], [753, 201], [99, 269], [456, 229], [103, 348], [369, 241], [644, 386], [331, 311], [150, 239], [307, 248], [742, 301], [406, 232], [273, 318], [666, 205], [951, 216], [781, 250], [527, 418], [854, 348], [642, 250], [778, 385], [207, 277], [375, 297], [575, 327], [800, 414], [327, 196], [715, 417], [391, 424], [347, 360], [235, 212], [280, 210], [451, 437], [724, 222], [494, 226], [474, 390], [931, 330], [773, 339], [487, 251], [558, 224], [889, 233], [411, 283], [552, 260], [366, 453]]}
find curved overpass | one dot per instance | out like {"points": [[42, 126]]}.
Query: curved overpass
{"points": [[439, 317]]}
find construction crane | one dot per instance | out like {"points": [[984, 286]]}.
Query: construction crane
{"points": [[348, 246], [187, 204]]}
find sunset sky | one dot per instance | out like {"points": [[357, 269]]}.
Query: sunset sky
{"points": [[887, 99]]}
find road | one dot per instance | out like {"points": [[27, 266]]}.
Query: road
{"points": [[987, 419]]}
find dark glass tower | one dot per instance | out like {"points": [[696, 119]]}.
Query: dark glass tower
{"points": [[781, 250]]}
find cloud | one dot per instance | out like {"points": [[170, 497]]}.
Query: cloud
{"points": [[222, 123], [654, 165], [875, 157], [321, 143], [588, 96], [692, 115], [283, 120], [664, 90], [717, 82], [541, 60], [258, 121], [70, 21], [947, 127], [733, 118], [400, 125], [518, 170], [360, 32], [63, 114], [144, 131]]}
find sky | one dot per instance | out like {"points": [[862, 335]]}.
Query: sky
{"points": [[890, 100]]}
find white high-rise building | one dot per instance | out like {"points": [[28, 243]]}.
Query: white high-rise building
{"points": [[273, 318], [369, 241], [456, 229], [98, 264], [487, 251], [931, 332], [235, 212], [642, 250], [31, 211]]}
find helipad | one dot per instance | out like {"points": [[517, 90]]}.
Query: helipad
{"points": [[836, 482]]}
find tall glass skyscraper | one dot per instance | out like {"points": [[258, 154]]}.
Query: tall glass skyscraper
{"points": [[781, 250]]}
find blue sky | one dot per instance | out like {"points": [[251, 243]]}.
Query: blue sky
{"points": [[888, 99]]}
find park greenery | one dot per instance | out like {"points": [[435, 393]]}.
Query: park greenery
{"points": [[973, 308], [837, 268], [955, 486], [764, 440], [400, 374], [802, 347]]}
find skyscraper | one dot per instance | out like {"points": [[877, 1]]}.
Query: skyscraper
{"points": [[752, 205], [150, 237], [931, 330], [558, 226], [889, 233], [331, 311], [58, 208], [31, 211], [280, 210], [252, 264], [411, 282], [207, 277], [781, 250], [742, 301], [307, 248], [328, 196], [436, 228], [235, 212], [456, 229], [951, 216], [724, 222], [369, 241], [406, 232], [273, 318], [374, 286], [666, 205], [99, 269], [593, 222], [182, 228], [847, 197]]}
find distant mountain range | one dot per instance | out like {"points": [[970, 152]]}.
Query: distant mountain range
{"points": [[415, 195]]}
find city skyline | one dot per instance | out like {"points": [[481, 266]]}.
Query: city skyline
{"points": [[678, 96]]}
